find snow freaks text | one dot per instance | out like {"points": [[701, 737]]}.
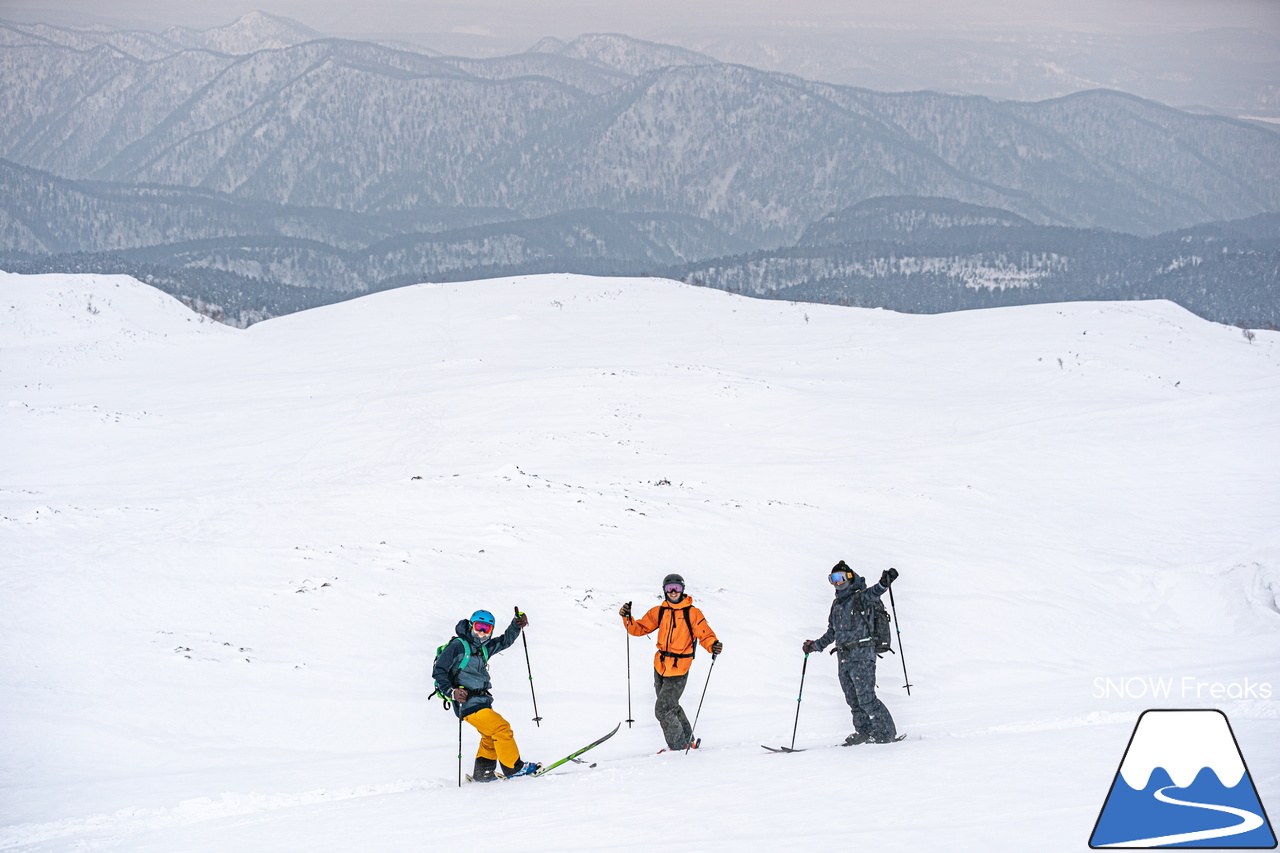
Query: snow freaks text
{"points": [[1186, 687]]}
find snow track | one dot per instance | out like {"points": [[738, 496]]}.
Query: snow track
{"points": [[127, 822]]}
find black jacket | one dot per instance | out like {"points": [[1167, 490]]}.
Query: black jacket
{"points": [[851, 623]]}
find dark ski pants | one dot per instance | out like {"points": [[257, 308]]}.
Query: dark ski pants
{"points": [[675, 725], [858, 680]]}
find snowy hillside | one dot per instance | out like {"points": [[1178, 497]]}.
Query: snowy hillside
{"points": [[229, 556]]}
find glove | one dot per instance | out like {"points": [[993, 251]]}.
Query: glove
{"points": [[717, 647], [809, 647], [625, 610], [522, 620], [460, 694], [888, 576]]}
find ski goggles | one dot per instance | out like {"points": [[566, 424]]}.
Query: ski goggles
{"points": [[482, 627], [673, 587], [838, 578]]}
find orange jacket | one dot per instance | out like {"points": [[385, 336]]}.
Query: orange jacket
{"points": [[675, 644]]}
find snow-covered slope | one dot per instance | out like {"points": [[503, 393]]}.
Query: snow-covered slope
{"points": [[230, 555]]}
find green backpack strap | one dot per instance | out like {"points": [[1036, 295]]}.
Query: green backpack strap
{"points": [[466, 659], [466, 652]]}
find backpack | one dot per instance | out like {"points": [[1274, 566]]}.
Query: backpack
{"points": [[688, 620], [466, 659], [883, 632], [881, 629]]}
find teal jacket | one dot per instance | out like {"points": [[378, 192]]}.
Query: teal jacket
{"points": [[465, 663]]}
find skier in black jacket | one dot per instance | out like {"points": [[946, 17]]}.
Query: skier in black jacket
{"points": [[851, 624]]}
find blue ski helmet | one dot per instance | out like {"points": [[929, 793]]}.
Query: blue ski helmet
{"points": [[483, 616]]}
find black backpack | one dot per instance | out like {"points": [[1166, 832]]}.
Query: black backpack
{"points": [[881, 628], [688, 620], [883, 632]]}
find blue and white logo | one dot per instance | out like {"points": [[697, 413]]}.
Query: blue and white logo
{"points": [[1183, 783]]}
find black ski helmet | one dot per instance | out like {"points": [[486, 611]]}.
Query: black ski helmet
{"points": [[671, 578]]}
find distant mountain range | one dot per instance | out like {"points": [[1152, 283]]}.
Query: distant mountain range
{"points": [[934, 255], [263, 155], [1223, 70]]}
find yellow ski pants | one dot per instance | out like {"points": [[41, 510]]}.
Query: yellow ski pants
{"points": [[496, 740]]}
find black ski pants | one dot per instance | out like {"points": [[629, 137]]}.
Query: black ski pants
{"points": [[858, 680], [675, 725]]}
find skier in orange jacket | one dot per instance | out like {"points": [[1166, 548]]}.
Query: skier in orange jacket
{"points": [[680, 627]]}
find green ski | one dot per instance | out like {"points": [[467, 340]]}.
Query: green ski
{"points": [[574, 755]]}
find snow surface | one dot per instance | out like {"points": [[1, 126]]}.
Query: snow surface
{"points": [[229, 556]]}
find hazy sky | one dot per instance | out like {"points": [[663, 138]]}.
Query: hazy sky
{"points": [[528, 20]]}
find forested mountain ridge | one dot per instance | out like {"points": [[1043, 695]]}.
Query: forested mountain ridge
{"points": [[363, 127], [934, 255], [263, 152]]}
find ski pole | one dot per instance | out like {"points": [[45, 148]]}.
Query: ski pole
{"points": [[629, 720], [459, 752], [797, 723], [694, 727], [529, 667], [906, 682]]}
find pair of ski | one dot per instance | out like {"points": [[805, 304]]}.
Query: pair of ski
{"points": [[573, 756], [777, 749]]}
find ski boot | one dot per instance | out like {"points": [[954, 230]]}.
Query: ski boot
{"points": [[526, 768], [484, 770], [691, 745], [856, 738]]}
